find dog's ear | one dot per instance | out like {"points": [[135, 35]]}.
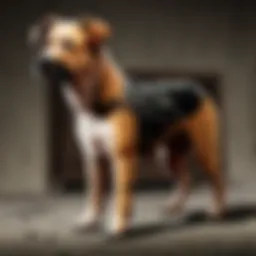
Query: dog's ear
{"points": [[37, 32], [98, 31]]}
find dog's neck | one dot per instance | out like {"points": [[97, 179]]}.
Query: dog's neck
{"points": [[104, 78]]}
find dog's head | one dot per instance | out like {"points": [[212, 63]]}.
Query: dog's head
{"points": [[66, 47]]}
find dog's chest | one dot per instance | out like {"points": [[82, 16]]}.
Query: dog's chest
{"points": [[93, 134]]}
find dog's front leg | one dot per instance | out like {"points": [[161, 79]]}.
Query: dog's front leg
{"points": [[124, 169], [92, 173], [124, 177], [91, 215]]}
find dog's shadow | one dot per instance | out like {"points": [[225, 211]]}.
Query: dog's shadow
{"points": [[193, 218]]}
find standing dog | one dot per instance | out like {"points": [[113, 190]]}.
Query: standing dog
{"points": [[110, 119]]}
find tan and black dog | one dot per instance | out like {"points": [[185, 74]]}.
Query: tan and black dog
{"points": [[119, 120]]}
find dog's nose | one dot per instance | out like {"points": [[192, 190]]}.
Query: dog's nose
{"points": [[52, 69], [44, 63], [48, 66]]}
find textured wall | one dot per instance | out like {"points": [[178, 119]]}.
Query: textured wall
{"points": [[148, 34]]}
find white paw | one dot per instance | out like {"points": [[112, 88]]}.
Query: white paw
{"points": [[87, 221], [116, 226], [216, 211], [174, 205]]}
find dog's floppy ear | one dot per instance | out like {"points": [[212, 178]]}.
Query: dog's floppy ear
{"points": [[98, 31], [37, 32]]}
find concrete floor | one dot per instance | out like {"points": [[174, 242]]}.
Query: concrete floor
{"points": [[43, 226]]}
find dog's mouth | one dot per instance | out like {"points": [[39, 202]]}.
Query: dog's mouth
{"points": [[54, 71]]}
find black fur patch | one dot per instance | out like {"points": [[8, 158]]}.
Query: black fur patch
{"points": [[159, 105]]}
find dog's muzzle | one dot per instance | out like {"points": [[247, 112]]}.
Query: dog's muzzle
{"points": [[53, 70]]}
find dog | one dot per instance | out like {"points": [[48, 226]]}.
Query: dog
{"points": [[121, 121]]}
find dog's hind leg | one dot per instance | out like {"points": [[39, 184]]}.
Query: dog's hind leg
{"points": [[178, 168], [203, 129]]}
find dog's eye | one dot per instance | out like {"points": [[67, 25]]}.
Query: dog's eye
{"points": [[68, 45]]}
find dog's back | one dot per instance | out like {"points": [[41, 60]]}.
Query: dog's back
{"points": [[160, 105]]}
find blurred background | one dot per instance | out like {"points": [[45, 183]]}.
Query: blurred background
{"points": [[213, 42]]}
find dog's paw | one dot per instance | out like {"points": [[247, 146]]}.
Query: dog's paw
{"points": [[216, 213], [86, 223], [175, 206], [116, 228], [86, 226]]}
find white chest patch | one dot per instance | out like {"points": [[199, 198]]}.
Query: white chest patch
{"points": [[94, 135]]}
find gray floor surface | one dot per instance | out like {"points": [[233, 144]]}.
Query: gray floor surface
{"points": [[44, 226]]}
